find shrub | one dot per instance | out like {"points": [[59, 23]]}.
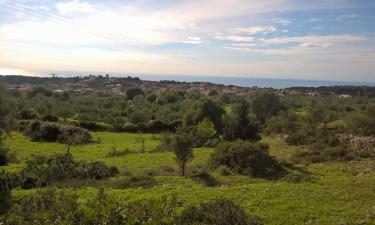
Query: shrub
{"points": [[218, 212], [223, 170], [27, 114], [8, 181], [199, 137], [205, 178], [328, 146], [167, 170], [96, 170], [93, 126], [62, 207], [317, 153], [135, 182], [73, 135], [3, 156], [52, 132], [246, 158], [117, 153], [46, 207], [50, 118], [41, 171]]}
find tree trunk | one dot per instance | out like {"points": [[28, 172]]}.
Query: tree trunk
{"points": [[183, 169]]}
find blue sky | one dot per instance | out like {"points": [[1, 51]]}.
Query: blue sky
{"points": [[321, 39]]}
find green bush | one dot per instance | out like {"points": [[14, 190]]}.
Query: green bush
{"points": [[93, 126], [50, 206], [317, 153], [3, 156], [52, 132], [205, 178], [218, 212], [116, 153], [50, 118], [41, 171], [44, 208], [199, 137], [135, 182], [246, 158]]}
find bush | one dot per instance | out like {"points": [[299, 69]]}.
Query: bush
{"points": [[3, 156], [46, 207], [50, 118], [7, 156], [27, 114], [62, 207], [246, 158], [8, 181], [117, 153], [218, 212], [93, 126], [199, 137], [223, 170], [41, 171], [73, 135], [317, 153], [52, 132], [327, 147], [135, 182], [205, 178]]}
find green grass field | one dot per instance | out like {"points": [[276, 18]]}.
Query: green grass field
{"points": [[335, 193]]}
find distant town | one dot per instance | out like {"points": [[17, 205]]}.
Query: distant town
{"points": [[98, 85]]}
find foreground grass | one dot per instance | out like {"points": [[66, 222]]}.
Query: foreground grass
{"points": [[336, 193]]}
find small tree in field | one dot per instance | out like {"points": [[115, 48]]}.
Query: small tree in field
{"points": [[141, 141], [182, 150]]}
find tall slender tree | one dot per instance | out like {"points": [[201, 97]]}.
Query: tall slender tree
{"points": [[183, 151]]}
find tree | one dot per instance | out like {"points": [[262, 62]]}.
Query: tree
{"points": [[182, 150], [5, 121], [239, 125], [141, 141], [132, 92], [205, 107], [363, 123], [266, 105]]}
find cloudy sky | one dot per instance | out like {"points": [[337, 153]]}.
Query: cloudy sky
{"points": [[320, 39]]}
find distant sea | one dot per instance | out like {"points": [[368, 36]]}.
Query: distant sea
{"points": [[251, 82], [276, 83]]}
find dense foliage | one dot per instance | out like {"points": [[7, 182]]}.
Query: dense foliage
{"points": [[62, 207], [52, 132], [219, 212], [246, 158], [41, 171]]}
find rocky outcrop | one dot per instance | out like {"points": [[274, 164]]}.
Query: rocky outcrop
{"points": [[359, 142]]}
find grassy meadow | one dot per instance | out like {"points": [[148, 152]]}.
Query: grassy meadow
{"points": [[326, 194]]}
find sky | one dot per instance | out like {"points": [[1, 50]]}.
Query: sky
{"points": [[297, 39]]}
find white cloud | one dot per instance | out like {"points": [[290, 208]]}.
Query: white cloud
{"points": [[313, 20], [185, 26], [75, 6], [235, 38], [256, 29], [314, 45], [245, 44], [281, 21], [193, 40], [347, 17], [314, 39]]}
